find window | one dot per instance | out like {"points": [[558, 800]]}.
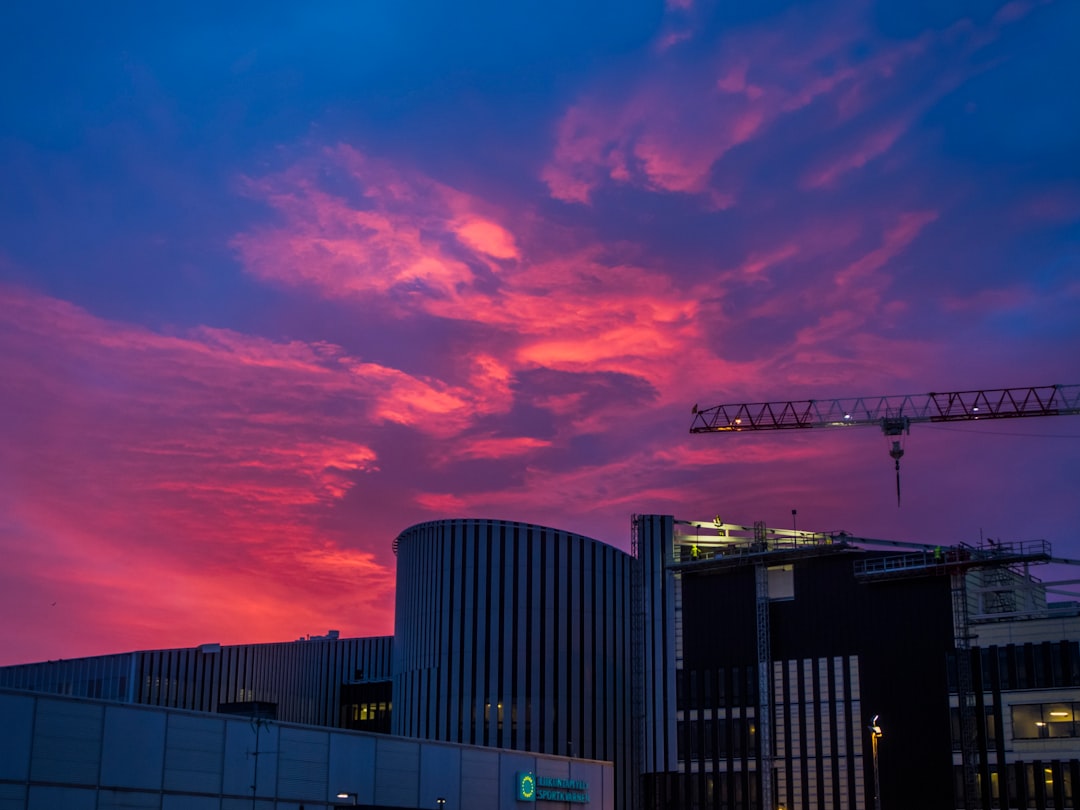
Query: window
{"points": [[1036, 721]]}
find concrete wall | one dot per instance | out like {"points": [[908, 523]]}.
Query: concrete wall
{"points": [[82, 754]]}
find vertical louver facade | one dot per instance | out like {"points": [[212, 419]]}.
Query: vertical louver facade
{"points": [[515, 636], [302, 680]]}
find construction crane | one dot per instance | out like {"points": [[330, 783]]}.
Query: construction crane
{"points": [[894, 415]]}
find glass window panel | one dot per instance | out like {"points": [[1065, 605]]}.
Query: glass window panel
{"points": [[1020, 662], [991, 725], [1038, 659], [1059, 719], [1014, 773], [1074, 664], [1003, 668], [1027, 721]]}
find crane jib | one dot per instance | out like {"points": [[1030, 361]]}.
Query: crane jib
{"points": [[893, 415], [955, 406]]}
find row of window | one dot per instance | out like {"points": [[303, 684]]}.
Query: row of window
{"points": [[701, 791], [705, 739], [1039, 784], [1036, 721], [1049, 665], [706, 689], [370, 711], [1030, 721]]}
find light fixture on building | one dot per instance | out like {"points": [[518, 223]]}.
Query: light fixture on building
{"points": [[349, 797], [875, 735]]}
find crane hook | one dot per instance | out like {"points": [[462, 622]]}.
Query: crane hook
{"points": [[897, 453], [893, 426]]}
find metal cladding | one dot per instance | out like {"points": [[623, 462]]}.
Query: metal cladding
{"points": [[516, 636], [303, 679]]}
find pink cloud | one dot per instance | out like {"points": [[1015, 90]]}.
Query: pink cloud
{"points": [[570, 305], [670, 130], [495, 447], [195, 468], [876, 144], [488, 237], [442, 503], [1050, 205], [402, 236], [659, 139], [1016, 297], [1016, 10]]}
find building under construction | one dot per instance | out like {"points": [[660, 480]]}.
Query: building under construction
{"points": [[786, 669]]}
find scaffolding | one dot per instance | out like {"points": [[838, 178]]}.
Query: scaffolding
{"points": [[764, 673], [703, 546], [637, 659], [956, 562]]}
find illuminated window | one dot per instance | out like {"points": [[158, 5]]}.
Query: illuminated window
{"points": [[1034, 721]]}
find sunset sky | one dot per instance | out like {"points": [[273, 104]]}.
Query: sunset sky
{"points": [[279, 280]]}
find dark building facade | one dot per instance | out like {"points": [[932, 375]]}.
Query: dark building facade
{"points": [[840, 652]]}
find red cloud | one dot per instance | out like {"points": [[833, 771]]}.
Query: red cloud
{"points": [[496, 447], [145, 473], [561, 306], [545, 298]]}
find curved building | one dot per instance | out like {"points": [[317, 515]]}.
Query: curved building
{"points": [[516, 636]]}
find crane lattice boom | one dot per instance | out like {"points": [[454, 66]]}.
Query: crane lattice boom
{"points": [[895, 411]]}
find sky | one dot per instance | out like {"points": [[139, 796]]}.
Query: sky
{"points": [[280, 280]]}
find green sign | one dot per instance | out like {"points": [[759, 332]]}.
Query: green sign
{"points": [[532, 788], [526, 786]]}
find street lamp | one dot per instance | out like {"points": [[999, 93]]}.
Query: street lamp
{"points": [[875, 735], [440, 803], [349, 797]]}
